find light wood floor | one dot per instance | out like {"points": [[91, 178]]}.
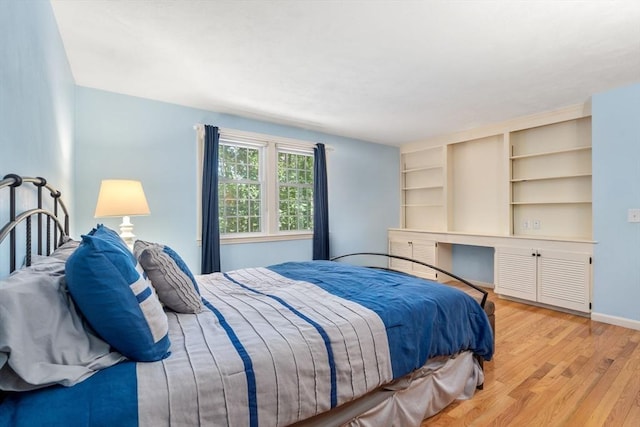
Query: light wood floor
{"points": [[553, 369]]}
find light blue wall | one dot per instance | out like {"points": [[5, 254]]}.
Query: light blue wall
{"points": [[36, 99], [473, 262], [616, 188], [120, 136], [36, 95]]}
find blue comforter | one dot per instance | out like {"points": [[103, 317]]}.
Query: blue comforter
{"points": [[422, 318], [359, 328]]}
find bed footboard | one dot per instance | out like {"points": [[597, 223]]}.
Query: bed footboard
{"points": [[476, 292], [482, 292]]}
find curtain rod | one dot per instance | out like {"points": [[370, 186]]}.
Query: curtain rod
{"points": [[262, 136]]}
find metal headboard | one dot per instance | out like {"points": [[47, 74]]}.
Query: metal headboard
{"points": [[54, 220]]}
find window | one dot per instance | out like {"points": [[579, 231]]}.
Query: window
{"points": [[265, 187], [295, 192], [239, 189]]}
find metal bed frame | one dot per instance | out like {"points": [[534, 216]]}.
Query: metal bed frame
{"points": [[390, 256], [483, 292], [56, 218]]}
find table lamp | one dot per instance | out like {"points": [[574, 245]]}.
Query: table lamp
{"points": [[125, 198]]}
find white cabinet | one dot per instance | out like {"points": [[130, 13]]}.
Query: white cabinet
{"points": [[412, 246], [516, 273], [558, 278]]}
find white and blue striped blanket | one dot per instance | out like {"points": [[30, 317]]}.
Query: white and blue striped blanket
{"points": [[274, 346]]}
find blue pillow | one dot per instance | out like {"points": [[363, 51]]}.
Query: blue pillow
{"points": [[110, 289]]}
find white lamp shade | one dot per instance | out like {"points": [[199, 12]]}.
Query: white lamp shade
{"points": [[121, 197]]}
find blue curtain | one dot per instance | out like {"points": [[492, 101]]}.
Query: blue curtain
{"points": [[320, 204], [210, 220]]}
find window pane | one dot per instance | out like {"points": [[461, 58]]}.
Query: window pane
{"points": [[254, 172], [243, 224], [295, 180], [239, 189], [232, 225], [243, 207], [254, 224], [254, 209], [230, 208]]}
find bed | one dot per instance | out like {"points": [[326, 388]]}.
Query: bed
{"points": [[112, 337]]}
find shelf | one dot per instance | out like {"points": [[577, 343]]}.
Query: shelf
{"points": [[422, 168], [550, 153], [495, 180], [565, 202], [422, 187], [422, 205], [544, 178]]}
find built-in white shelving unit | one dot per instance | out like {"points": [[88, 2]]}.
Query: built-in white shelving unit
{"points": [[423, 188], [551, 180], [522, 187]]}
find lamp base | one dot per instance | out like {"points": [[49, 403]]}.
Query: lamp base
{"points": [[126, 232]]}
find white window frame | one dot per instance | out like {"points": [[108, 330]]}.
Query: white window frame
{"points": [[276, 184], [262, 180], [271, 145]]}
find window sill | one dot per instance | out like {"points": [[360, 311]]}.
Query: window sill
{"points": [[263, 238]]}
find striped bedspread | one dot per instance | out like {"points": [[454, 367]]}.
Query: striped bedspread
{"points": [[281, 351], [274, 346]]}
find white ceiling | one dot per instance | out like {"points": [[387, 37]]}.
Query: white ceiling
{"points": [[383, 71]]}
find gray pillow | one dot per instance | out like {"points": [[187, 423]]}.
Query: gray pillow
{"points": [[65, 250], [173, 281], [62, 253], [43, 338]]}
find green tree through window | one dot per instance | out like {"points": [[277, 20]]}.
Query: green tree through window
{"points": [[295, 191], [244, 185], [239, 190]]}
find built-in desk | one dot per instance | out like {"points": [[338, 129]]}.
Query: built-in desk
{"points": [[551, 271]]}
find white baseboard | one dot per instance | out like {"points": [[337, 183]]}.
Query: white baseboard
{"points": [[615, 320], [542, 305], [483, 284]]}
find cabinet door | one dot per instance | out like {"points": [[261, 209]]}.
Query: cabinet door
{"points": [[424, 251], [400, 248], [516, 273], [564, 279]]}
